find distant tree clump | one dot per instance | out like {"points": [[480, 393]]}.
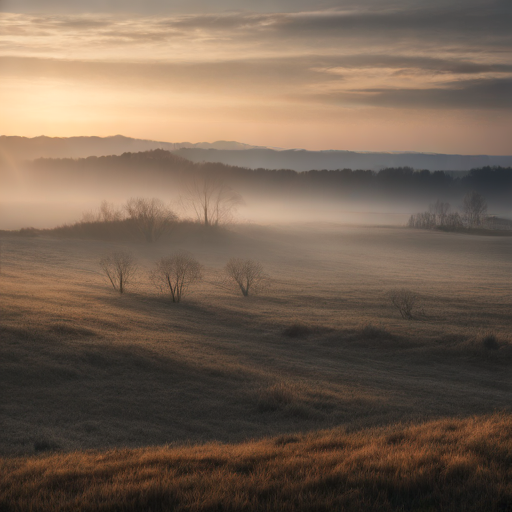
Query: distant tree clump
{"points": [[475, 209], [440, 217], [176, 273], [119, 268], [151, 217], [246, 274]]}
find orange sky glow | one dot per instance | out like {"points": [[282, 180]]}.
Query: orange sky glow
{"points": [[355, 79]]}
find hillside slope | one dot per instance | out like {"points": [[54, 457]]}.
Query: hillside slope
{"points": [[449, 465]]}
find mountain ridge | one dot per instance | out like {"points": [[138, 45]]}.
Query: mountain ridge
{"points": [[16, 148]]}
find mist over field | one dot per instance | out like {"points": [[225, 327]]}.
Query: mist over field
{"points": [[47, 192]]}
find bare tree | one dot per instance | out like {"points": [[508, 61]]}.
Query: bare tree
{"points": [[109, 212], [176, 273], [120, 268], [151, 217], [212, 200], [405, 301], [475, 209], [246, 274], [440, 210]]}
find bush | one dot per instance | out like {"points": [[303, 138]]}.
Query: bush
{"points": [[490, 342], [246, 274], [176, 273], [405, 301], [297, 330], [373, 332], [119, 268]]}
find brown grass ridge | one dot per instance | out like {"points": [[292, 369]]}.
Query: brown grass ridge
{"points": [[463, 465]]}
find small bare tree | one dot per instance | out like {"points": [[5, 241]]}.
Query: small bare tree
{"points": [[212, 200], [151, 217], [405, 301], [120, 268], [176, 273], [475, 209], [109, 213], [246, 274], [440, 210]]}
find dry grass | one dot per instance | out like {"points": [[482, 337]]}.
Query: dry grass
{"points": [[83, 368], [450, 465]]}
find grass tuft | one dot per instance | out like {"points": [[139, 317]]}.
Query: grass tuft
{"points": [[375, 332], [490, 342], [297, 330]]}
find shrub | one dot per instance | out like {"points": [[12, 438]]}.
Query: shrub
{"points": [[373, 332], [176, 273], [297, 330], [405, 301], [246, 274], [119, 268], [490, 342]]}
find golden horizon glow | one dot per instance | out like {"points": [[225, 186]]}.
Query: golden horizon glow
{"points": [[315, 80]]}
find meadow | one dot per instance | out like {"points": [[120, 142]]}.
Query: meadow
{"points": [[319, 355]]}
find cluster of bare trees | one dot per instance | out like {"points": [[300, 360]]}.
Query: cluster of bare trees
{"points": [[474, 213], [175, 274], [149, 218], [207, 198]]}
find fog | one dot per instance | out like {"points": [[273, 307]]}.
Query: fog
{"points": [[48, 193], [27, 210]]}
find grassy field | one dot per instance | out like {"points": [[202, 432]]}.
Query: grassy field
{"points": [[82, 367], [451, 465]]}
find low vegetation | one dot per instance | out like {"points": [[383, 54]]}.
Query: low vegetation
{"points": [[406, 301], [450, 465], [119, 268], [175, 274], [307, 371], [246, 274], [472, 218]]}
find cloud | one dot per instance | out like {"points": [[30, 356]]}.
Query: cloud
{"points": [[468, 94], [163, 7], [491, 26], [425, 26], [308, 69], [408, 55]]}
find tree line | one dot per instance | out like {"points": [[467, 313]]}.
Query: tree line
{"points": [[162, 167]]}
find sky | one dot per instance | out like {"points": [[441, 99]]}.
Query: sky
{"points": [[380, 75]]}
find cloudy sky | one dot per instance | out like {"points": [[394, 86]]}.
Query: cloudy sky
{"points": [[374, 75]]}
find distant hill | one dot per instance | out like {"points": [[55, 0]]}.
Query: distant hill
{"points": [[239, 154], [22, 148], [302, 160]]}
